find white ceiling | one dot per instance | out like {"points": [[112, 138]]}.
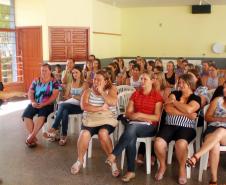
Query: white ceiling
{"points": [[143, 3]]}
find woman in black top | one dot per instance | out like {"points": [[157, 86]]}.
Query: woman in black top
{"points": [[170, 75], [181, 111]]}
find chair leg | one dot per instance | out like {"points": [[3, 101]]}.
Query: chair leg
{"points": [[112, 139], [72, 125], [206, 161], [170, 152], [203, 165], [79, 119], [122, 159], [148, 156], [120, 129], [198, 138], [190, 153]]}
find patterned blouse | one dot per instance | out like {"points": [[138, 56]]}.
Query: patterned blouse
{"points": [[219, 112], [43, 91]]}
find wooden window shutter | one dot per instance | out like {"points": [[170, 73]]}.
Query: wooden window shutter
{"points": [[68, 43]]}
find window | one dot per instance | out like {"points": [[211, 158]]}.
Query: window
{"points": [[7, 15], [10, 69], [68, 42]]}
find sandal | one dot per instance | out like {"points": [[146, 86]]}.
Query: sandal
{"points": [[51, 135], [190, 162], [114, 169], [128, 177], [63, 140], [76, 167], [30, 144]]}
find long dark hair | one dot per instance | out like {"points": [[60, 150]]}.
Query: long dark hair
{"points": [[81, 75], [196, 73]]}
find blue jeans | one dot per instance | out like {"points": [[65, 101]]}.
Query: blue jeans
{"points": [[128, 141], [62, 115]]}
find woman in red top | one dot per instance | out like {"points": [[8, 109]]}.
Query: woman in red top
{"points": [[143, 111]]}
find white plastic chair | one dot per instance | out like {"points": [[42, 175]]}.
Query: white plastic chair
{"points": [[48, 123], [148, 145], [198, 138], [205, 157], [123, 100], [190, 152], [72, 122], [89, 151], [123, 88]]}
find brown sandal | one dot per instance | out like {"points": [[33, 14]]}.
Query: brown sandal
{"points": [[30, 144], [190, 163]]}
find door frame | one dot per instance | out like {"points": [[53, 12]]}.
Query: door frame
{"points": [[18, 45]]}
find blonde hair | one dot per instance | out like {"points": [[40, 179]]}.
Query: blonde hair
{"points": [[161, 77]]}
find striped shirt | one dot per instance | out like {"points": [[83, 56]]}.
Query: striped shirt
{"points": [[98, 101], [183, 121]]}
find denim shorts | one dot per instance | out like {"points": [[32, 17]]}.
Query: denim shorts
{"points": [[30, 111]]}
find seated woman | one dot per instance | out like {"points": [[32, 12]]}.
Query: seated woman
{"points": [[200, 91], [134, 80], [211, 81], [70, 106], [181, 111], [215, 135], [143, 111], [159, 84], [170, 75], [42, 93], [150, 67], [99, 117], [66, 78]]}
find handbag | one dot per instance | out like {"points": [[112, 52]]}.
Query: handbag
{"points": [[95, 119]]}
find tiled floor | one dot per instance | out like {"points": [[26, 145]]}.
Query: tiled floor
{"points": [[49, 163]]}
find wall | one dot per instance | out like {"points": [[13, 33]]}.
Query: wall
{"points": [[53, 13], [172, 32], [148, 31], [99, 17], [106, 19]]}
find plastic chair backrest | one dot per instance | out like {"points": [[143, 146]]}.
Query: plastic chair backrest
{"points": [[204, 112], [123, 88], [123, 100]]}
